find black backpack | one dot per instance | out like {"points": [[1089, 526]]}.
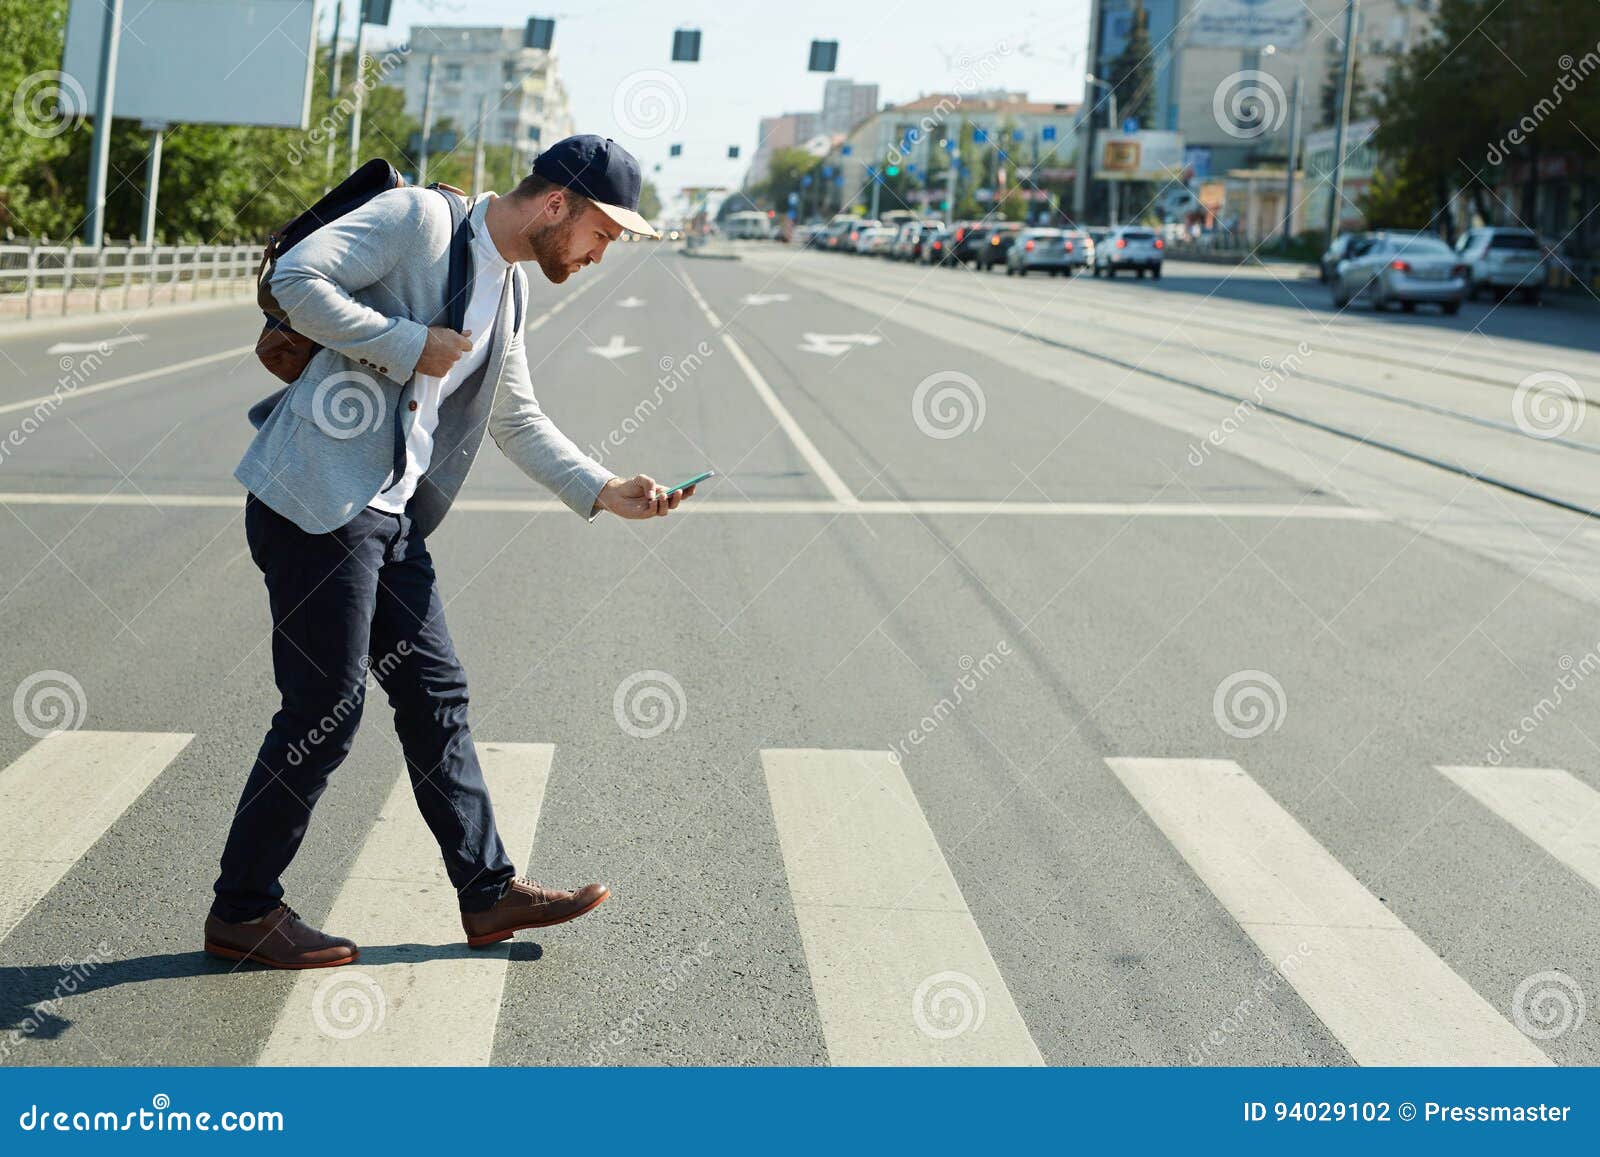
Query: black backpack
{"points": [[286, 353]]}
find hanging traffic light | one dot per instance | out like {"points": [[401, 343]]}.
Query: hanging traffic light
{"points": [[686, 44], [824, 56], [375, 11], [539, 33], [733, 152], [675, 151]]}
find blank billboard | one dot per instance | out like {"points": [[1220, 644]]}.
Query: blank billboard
{"points": [[243, 62]]}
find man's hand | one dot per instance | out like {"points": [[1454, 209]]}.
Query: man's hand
{"points": [[639, 497], [445, 347]]}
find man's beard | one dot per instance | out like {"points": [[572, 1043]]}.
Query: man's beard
{"points": [[551, 244]]}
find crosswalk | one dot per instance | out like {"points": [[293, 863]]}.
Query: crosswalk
{"points": [[899, 967]]}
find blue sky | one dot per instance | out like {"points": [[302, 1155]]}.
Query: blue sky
{"points": [[753, 62]]}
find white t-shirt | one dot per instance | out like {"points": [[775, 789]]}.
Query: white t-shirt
{"points": [[483, 303]]}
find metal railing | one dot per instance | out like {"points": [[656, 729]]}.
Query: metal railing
{"points": [[57, 280]]}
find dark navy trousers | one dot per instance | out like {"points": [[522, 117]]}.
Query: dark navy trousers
{"points": [[360, 600]]}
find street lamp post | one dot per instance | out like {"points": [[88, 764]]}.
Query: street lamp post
{"points": [[1342, 125], [1111, 100]]}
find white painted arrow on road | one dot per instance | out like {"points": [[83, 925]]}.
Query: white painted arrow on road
{"points": [[630, 303], [85, 347], [614, 349], [764, 298], [836, 343]]}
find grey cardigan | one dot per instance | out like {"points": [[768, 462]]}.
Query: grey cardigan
{"points": [[366, 287]]}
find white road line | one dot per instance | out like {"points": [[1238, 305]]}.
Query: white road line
{"points": [[67, 393], [900, 970], [802, 442], [1200, 510], [418, 995], [61, 796], [1552, 807], [1386, 995]]}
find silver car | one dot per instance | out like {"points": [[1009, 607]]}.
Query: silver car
{"points": [[1403, 268], [1128, 247], [1502, 260], [1051, 251]]}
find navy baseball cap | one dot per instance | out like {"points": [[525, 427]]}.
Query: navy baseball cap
{"points": [[603, 171]]}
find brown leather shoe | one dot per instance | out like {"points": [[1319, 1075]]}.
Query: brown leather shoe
{"points": [[527, 905], [280, 939]]}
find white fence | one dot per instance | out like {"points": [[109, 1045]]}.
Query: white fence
{"points": [[57, 280]]}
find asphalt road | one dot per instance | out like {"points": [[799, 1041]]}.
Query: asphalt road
{"points": [[959, 519]]}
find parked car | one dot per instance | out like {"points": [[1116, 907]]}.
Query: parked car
{"points": [[844, 235], [1052, 251], [806, 236], [1128, 247], [1407, 268], [997, 241], [967, 235], [909, 240], [1503, 259], [1343, 246]]}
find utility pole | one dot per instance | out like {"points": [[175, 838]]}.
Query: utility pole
{"points": [[100, 150], [477, 147], [1294, 158], [955, 163], [1116, 190], [427, 124], [1342, 123], [333, 81]]}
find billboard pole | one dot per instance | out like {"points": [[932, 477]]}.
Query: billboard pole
{"points": [[100, 150], [152, 183]]}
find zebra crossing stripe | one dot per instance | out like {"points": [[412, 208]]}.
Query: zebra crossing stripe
{"points": [[418, 995], [901, 972], [61, 796], [1386, 995], [1552, 807]]}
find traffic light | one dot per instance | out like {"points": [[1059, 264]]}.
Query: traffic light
{"points": [[675, 151], [733, 152], [539, 33], [686, 44], [375, 11], [892, 170], [824, 56]]}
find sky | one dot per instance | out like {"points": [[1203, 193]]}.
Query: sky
{"points": [[615, 57]]}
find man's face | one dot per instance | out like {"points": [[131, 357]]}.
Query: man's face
{"points": [[578, 237]]}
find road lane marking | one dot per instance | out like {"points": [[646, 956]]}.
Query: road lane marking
{"points": [[84, 347], [64, 393], [1201, 510], [1381, 991], [1552, 807], [61, 796], [418, 995], [614, 349], [803, 444], [901, 972]]}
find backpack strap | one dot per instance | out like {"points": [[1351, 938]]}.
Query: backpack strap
{"points": [[458, 289]]}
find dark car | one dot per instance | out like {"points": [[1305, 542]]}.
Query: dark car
{"points": [[996, 244], [938, 248], [965, 237]]}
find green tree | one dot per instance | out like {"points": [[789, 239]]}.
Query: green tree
{"points": [[649, 201], [1333, 88], [35, 144], [1133, 71], [1398, 199], [786, 174]]}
